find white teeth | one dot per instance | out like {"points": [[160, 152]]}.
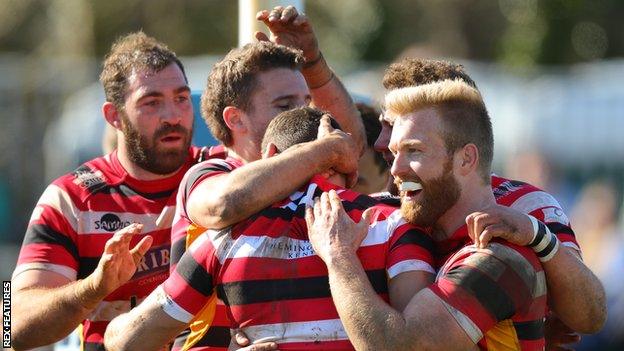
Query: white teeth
{"points": [[410, 186]]}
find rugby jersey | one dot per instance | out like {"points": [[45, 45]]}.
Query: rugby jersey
{"points": [[210, 330], [497, 294], [80, 211], [274, 286]]}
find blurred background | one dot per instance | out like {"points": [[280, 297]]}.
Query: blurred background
{"points": [[551, 72]]}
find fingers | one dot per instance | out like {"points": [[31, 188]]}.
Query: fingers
{"points": [[260, 36], [290, 13], [325, 127], [490, 232], [141, 248], [309, 217], [325, 203], [317, 207], [335, 202], [121, 238], [275, 14], [367, 216], [241, 339]]}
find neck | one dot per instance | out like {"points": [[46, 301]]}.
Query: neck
{"points": [[472, 198], [242, 153], [133, 169]]}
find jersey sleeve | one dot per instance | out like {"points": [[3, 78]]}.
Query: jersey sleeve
{"points": [[409, 248], [484, 287], [547, 209], [50, 239], [191, 286], [183, 230]]}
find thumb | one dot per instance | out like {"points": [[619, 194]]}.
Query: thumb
{"points": [[367, 216], [241, 339], [260, 36]]}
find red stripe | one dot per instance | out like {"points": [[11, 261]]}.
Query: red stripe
{"points": [[53, 219], [184, 295], [47, 253], [465, 302], [300, 310]]}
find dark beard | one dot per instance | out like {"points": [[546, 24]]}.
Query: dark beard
{"points": [[147, 155], [437, 197]]}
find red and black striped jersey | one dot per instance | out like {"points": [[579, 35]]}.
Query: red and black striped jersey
{"points": [[80, 211], [272, 283], [497, 294], [203, 334], [531, 200]]}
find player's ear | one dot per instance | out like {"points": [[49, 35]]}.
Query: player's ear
{"points": [[232, 116], [112, 115], [270, 151], [467, 159]]}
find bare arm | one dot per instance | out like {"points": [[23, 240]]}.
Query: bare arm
{"points": [[220, 201], [370, 323], [45, 300], [575, 293], [290, 28], [146, 327]]}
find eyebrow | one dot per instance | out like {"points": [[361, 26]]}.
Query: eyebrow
{"points": [[179, 90], [289, 97], [406, 143]]}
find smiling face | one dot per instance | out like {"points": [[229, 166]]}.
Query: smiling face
{"points": [[157, 120], [277, 90], [422, 168]]}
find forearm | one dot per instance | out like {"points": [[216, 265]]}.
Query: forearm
{"points": [[329, 94], [576, 294], [370, 323], [58, 311], [258, 184]]}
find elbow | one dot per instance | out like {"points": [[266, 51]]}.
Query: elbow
{"points": [[214, 213], [596, 319]]}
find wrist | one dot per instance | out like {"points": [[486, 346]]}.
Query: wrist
{"points": [[89, 293], [316, 72], [544, 243]]}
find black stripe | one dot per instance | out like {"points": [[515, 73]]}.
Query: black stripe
{"points": [[415, 237], [195, 275], [487, 292], [361, 203], [200, 172], [541, 231], [548, 249], [125, 191], [87, 266], [178, 249], [257, 291], [93, 346], [216, 336], [559, 228], [531, 330], [43, 234]]}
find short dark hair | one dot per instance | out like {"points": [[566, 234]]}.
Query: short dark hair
{"points": [[294, 127], [372, 126], [413, 71], [133, 52], [232, 81]]}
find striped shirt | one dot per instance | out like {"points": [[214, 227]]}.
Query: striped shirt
{"points": [[271, 281], [497, 295], [203, 334], [80, 211]]}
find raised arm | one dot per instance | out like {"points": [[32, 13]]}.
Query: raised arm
{"points": [[228, 198], [575, 293], [293, 29], [46, 300]]}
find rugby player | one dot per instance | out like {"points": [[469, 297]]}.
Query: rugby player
{"points": [[265, 271], [577, 296], [81, 260], [244, 92]]}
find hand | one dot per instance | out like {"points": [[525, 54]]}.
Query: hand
{"points": [[331, 231], [241, 342], [347, 151], [558, 335], [499, 221], [290, 28], [119, 263]]}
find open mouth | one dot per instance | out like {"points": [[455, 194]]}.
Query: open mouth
{"points": [[171, 138], [410, 189]]}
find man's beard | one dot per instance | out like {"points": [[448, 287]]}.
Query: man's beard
{"points": [[436, 197], [146, 154]]}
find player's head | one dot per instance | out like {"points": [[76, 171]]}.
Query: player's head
{"points": [[411, 72], [442, 141], [249, 87], [373, 169], [148, 102], [296, 126]]}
